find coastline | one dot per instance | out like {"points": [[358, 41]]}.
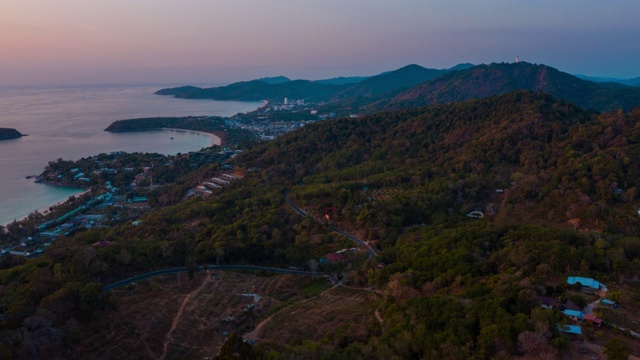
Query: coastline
{"points": [[215, 139], [45, 209]]}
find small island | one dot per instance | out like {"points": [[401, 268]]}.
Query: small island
{"points": [[8, 133]]}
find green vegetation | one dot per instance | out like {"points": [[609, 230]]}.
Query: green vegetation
{"points": [[557, 186]]}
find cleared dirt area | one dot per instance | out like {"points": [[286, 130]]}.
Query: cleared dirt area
{"points": [[173, 317], [334, 315]]}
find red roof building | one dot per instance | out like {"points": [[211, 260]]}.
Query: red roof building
{"points": [[334, 257], [592, 318]]}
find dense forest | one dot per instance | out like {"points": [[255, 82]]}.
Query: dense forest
{"points": [[557, 186]]}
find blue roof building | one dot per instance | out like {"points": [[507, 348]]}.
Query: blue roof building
{"points": [[586, 282], [570, 329], [574, 313]]}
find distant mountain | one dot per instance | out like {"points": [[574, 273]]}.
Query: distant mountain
{"points": [[358, 89], [383, 84], [463, 66], [256, 90], [487, 80], [628, 82], [275, 80], [8, 133], [342, 80]]}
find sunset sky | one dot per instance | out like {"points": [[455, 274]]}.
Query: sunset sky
{"points": [[67, 42]]}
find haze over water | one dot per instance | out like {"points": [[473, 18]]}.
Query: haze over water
{"points": [[69, 123]]}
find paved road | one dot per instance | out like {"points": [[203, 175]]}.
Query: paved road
{"points": [[369, 249], [211, 267]]}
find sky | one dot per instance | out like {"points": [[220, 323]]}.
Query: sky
{"points": [[74, 42]]}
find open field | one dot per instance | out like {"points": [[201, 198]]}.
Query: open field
{"points": [[173, 317]]}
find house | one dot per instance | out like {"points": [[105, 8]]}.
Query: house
{"points": [[334, 257], [574, 314], [609, 303], [570, 329], [586, 282], [547, 302], [593, 319], [569, 305]]}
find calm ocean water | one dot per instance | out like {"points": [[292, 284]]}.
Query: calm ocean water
{"points": [[68, 123]]}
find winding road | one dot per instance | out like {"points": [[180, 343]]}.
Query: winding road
{"points": [[369, 249], [210, 267], [176, 270]]}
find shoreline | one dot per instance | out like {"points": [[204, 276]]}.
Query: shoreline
{"points": [[215, 139], [42, 210]]}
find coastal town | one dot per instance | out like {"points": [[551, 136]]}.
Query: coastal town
{"points": [[119, 186], [119, 189], [278, 117]]}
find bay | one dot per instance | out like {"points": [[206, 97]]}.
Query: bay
{"points": [[69, 123]]}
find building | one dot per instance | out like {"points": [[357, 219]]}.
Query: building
{"points": [[574, 314], [547, 302], [570, 329], [586, 282], [609, 303], [592, 319]]}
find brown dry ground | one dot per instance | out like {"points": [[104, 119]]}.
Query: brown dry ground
{"points": [[296, 307], [334, 314]]}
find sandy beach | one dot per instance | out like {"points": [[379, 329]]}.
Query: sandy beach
{"points": [[45, 209], [215, 140]]}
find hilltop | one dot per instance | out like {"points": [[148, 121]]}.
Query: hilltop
{"points": [[487, 80]]}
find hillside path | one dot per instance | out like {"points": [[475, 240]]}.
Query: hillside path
{"points": [[176, 319], [253, 335]]}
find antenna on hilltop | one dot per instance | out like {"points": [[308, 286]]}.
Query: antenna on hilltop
{"points": [[517, 59]]}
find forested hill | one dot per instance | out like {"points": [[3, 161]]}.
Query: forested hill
{"points": [[383, 84], [370, 88], [557, 187], [486, 80], [256, 90], [9, 133], [554, 160]]}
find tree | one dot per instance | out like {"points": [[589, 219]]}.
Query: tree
{"points": [[235, 348], [617, 349]]}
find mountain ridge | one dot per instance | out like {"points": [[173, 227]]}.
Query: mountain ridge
{"points": [[497, 78]]}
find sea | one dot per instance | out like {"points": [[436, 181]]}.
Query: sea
{"points": [[69, 123]]}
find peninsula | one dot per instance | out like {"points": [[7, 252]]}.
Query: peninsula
{"points": [[8, 133]]}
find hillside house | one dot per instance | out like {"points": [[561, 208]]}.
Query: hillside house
{"points": [[592, 319], [569, 305], [570, 329], [609, 303], [547, 302], [588, 283], [574, 314]]}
